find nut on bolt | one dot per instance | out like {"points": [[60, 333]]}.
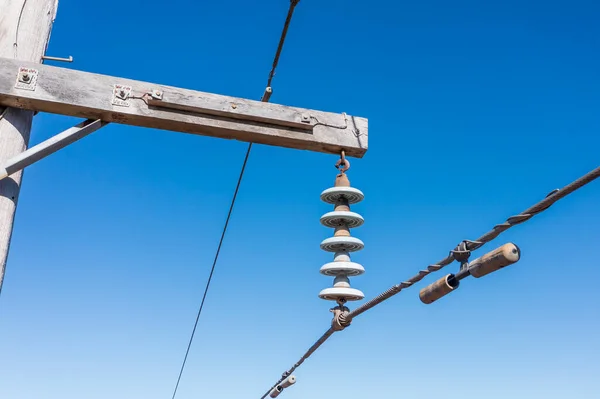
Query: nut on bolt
{"points": [[158, 94]]}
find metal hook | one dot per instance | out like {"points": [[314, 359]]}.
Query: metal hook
{"points": [[342, 164]]}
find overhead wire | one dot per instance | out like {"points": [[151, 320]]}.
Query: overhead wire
{"points": [[212, 270], [468, 245], [286, 25], [471, 245], [265, 98], [306, 355]]}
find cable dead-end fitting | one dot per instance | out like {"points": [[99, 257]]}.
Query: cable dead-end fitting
{"points": [[440, 288], [495, 260]]}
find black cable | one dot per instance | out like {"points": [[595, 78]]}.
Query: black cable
{"points": [[286, 25], [212, 270], [293, 4]]}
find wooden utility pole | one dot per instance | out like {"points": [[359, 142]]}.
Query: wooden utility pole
{"points": [[25, 27]]}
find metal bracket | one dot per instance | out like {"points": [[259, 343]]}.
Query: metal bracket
{"points": [[61, 59], [48, 147], [121, 94], [26, 78]]}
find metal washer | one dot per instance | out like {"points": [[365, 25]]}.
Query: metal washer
{"points": [[339, 244], [334, 194], [349, 269], [342, 218], [335, 293]]}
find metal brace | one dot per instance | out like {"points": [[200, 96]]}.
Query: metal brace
{"points": [[121, 95], [26, 78], [61, 59]]}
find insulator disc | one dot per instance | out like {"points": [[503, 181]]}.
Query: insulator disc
{"points": [[349, 294], [332, 195], [347, 268], [338, 244], [342, 218]]}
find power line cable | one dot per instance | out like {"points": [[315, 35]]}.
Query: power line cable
{"points": [[212, 270], [286, 25], [468, 245], [265, 98], [344, 319]]}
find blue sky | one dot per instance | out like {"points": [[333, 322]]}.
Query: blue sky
{"points": [[476, 112]]}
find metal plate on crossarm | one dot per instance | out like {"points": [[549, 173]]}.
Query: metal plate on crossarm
{"points": [[121, 94], [26, 78]]}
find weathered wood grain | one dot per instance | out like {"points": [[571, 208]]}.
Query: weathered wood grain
{"points": [[24, 33], [87, 95]]}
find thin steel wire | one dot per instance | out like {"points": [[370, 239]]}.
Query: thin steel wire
{"points": [[212, 270], [466, 245], [16, 43], [265, 98]]}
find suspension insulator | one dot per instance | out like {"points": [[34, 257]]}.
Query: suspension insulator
{"points": [[342, 219]]}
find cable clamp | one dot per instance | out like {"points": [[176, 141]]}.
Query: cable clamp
{"points": [[339, 321], [461, 253]]}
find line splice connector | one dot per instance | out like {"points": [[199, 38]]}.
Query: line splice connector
{"points": [[342, 195]]}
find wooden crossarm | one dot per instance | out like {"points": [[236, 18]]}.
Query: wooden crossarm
{"points": [[112, 99]]}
